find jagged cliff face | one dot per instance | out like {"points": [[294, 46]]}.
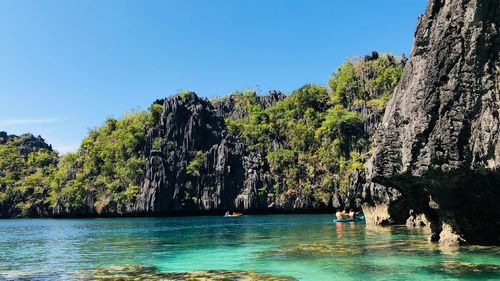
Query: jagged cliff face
{"points": [[438, 147], [188, 125], [194, 165]]}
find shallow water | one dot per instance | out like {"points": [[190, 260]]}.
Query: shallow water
{"points": [[305, 247]]}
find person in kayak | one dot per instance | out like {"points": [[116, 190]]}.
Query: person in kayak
{"points": [[352, 214], [345, 214], [338, 214]]}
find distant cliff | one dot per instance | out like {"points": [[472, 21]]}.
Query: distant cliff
{"points": [[438, 148], [26, 166]]}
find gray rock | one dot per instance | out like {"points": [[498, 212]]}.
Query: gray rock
{"points": [[439, 144]]}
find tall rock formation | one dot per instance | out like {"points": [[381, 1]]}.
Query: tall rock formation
{"points": [[187, 143], [438, 148], [194, 165]]}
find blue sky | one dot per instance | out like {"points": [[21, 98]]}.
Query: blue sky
{"points": [[67, 65]]}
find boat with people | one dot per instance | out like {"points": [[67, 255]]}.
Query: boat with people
{"points": [[350, 216], [232, 215], [360, 218]]}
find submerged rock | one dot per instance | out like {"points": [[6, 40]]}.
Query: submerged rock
{"points": [[439, 142], [139, 272], [340, 249], [313, 249], [465, 269]]}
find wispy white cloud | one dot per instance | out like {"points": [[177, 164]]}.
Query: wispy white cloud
{"points": [[28, 121]]}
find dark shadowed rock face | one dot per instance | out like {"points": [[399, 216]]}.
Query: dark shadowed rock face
{"points": [[438, 144], [188, 124]]}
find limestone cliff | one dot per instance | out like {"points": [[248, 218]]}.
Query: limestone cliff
{"points": [[194, 165], [438, 148]]}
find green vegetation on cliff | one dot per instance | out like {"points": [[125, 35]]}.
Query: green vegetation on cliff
{"points": [[316, 137], [109, 164], [370, 81], [27, 165]]}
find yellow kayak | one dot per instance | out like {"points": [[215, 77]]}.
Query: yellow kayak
{"points": [[233, 215]]}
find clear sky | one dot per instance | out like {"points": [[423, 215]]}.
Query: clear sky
{"points": [[67, 65]]}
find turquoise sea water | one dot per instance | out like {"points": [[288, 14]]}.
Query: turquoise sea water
{"points": [[305, 247]]}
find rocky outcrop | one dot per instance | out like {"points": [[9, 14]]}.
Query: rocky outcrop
{"points": [[188, 124], [230, 107], [26, 143], [439, 141]]}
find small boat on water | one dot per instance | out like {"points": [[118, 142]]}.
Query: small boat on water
{"points": [[358, 218], [233, 215]]}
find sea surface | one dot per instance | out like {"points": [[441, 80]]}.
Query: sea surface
{"points": [[280, 247]]}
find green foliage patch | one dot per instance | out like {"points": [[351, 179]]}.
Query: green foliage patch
{"points": [[315, 138], [26, 171], [110, 163]]}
